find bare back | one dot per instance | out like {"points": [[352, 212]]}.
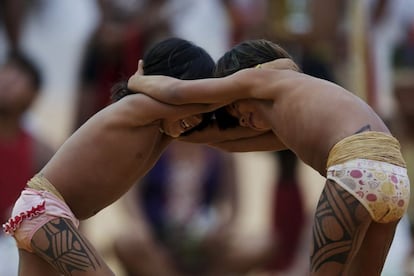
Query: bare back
{"points": [[310, 115]]}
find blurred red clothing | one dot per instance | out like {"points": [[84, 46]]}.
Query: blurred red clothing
{"points": [[16, 168]]}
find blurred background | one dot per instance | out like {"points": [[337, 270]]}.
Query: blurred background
{"points": [[203, 212]]}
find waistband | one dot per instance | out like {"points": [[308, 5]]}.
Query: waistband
{"points": [[40, 183], [365, 163], [370, 145]]}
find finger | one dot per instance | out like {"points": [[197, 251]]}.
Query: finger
{"points": [[140, 67], [295, 67], [280, 63]]}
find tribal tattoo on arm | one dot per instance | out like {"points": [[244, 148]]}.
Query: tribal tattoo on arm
{"points": [[61, 245]]}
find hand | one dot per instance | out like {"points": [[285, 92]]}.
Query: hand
{"points": [[280, 63]]}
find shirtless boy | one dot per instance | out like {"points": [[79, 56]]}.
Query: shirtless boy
{"points": [[98, 164], [333, 131]]}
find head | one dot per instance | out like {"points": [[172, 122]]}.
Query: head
{"points": [[244, 55], [180, 59], [20, 83]]}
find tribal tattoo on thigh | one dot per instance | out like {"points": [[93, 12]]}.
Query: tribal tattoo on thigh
{"points": [[65, 249], [337, 218]]}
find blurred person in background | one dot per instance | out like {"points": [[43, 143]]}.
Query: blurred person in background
{"points": [[12, 13], [288, 213], [45, 29], [181, 213], [387, 25], [403, 121], [203, 22], [21, 153], [124, 31]]}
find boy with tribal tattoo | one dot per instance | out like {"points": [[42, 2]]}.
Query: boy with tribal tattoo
{"points": [[100, 162], [336, 133]]}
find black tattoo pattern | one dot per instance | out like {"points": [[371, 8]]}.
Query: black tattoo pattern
{"points": [[364, 128], [65, 249], [335, 226]]}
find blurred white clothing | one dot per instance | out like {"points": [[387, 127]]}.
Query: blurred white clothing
{"points": [[205, 23]]}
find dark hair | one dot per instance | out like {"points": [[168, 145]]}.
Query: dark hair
{"points": [[25, 64], [244, 55], [178, 58]]}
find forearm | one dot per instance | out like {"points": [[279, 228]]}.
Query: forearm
{"points": [[264, 142], [212, 134], [160, 88], [175, 91]]}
